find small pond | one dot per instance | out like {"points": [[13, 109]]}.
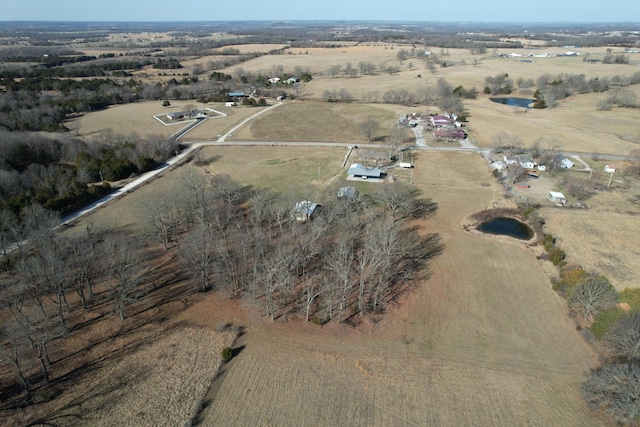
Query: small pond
{"points": [[507, 227], [515, 102]]}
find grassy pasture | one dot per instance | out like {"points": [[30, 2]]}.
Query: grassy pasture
{"points": [[483, 340], [318, 59], [471, 346], [602, 238], [576, 124], [138, 118], [319, 121], [277, 168]]}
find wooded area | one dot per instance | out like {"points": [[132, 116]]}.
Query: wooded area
{"points": [[355, 257]]}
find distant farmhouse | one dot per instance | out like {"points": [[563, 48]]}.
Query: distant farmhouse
{"points": [[562, 161], [522, 160]]}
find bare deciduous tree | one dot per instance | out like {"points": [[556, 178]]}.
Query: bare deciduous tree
{"points": [[615, 389], [369, 127], [13, 353], [624, 338], [592, 296], [396, 196], [161, 218], [124, 258], [197, 253], [8, 230], [340, 262]]}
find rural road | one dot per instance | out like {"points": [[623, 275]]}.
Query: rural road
{"points": [[222, 141]]}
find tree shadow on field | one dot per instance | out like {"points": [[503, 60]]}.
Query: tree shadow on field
{"points": [[236, 351], [423, 208], [75, 411], [203, 161]]}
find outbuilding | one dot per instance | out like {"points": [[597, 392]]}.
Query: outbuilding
{"points": [[557, 198], [303, 211], [356, 170], [346, 193], [562, 161]]}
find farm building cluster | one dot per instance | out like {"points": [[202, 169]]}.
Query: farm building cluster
{"points": [[445, 126], [306, 210]]}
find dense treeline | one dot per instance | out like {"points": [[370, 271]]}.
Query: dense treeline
{"points": [[101, 69], [39, 100], [354, 258], [64, 174]]}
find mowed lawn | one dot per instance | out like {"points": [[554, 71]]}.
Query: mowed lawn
{"points": [[483, 341]]}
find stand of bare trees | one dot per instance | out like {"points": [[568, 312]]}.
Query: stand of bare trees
{"points": [[354, 257], [50, 280]]}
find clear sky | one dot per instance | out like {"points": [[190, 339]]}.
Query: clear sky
{"points": [[416, 10]]}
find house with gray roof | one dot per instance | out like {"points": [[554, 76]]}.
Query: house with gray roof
{"points": [[356, 170]]}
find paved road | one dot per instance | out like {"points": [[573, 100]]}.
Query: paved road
{"points": [[222, 141]]}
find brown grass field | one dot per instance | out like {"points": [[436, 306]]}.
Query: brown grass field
{"points": [[482, 341], [576, 123], [138, 118], [158, 384], [319, 122]]}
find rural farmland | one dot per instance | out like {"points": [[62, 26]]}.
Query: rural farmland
{"points": [[239, 272]]}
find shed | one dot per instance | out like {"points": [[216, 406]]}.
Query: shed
{"points": [[303, 211], [346, 193], [557, 197], [562, 161], [236, 94]]}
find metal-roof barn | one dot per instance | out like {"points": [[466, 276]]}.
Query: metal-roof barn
{"points": [[357, 170]]}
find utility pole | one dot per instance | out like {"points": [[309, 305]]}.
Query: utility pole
{"points": [[610, 178]]}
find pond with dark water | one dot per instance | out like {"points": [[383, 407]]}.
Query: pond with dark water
{"points": [[507, 227], [515, 102]]}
